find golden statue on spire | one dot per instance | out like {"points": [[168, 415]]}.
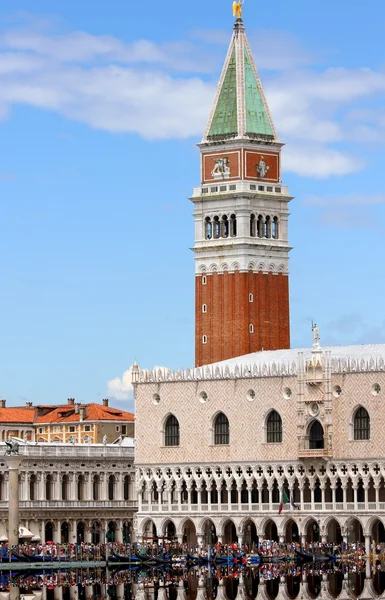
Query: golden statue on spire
{"points": [[237, 9]]}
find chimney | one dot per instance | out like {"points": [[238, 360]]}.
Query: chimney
{"points": [[71, 401], [29, 404], [77, 409], [105, 401], [82, 413], [2, 403]]}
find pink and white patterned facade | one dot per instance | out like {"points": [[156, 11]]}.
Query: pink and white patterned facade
{"points": [[189, 485]]}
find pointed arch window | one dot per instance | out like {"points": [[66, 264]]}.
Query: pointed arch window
{"points": [[274, 428], [274, 229], [361, 424], [171, 431], [233, 226], [221, 430], [316, 436], [208, 229], [260, 226]]}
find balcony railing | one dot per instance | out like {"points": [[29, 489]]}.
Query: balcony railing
{"points": [[305, 507], [304, 451], [64, 451], [73, 504]]}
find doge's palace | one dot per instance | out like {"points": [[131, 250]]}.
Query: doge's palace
{"points": [[218, 446]]}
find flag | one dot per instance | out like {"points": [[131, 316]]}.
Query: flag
{"points": [[292, 505], [284, 500]]}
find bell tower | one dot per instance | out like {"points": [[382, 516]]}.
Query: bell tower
{"points": [[241, 220]]}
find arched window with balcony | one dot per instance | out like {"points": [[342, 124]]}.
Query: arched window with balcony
{"points": [[267, 230], [274, 230], [260, 226], [225, 227], [274, 428], [49, 487], [208, 229], [217, 228], [171, 431], [361, 424], [32, 486], [64, 487], [96, 488], [221, 430], [252, 225], [111, 487], [81, 486], [126, 487], [233, 226], [316, 436]]}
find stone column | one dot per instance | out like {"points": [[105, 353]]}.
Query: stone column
{"points": [[367, 545], [249, 492], [56, 477], [118, 531], [301, 495], [179, 495], [87, 532], [377, 488], [239, 490], [23, 486], [312, 486], [88, 486], [333, 491], [40, 495], [13, 463], [199, 495], [159, 489], [57, 532], [58, 593], [104, 486]]}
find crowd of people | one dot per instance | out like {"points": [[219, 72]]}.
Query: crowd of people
{"points": [[157, 549]]}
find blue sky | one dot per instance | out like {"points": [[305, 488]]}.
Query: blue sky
{"points": [[100, 107]]}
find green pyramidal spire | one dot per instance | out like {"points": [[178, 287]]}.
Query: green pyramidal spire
{"points": [[240, 109]]}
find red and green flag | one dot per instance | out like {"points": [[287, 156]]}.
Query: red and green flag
{"points": [[284, 500]]}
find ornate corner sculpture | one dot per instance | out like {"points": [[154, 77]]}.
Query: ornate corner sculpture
{"points": [[316, 338], [221, 169], [12, 447], [262, 168]]}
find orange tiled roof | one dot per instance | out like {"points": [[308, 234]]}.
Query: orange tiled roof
{"points": [[17, 415], [94, 412]]}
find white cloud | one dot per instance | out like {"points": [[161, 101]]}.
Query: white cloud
{"points": [[122, 87], [319, 161], [121, 387]]}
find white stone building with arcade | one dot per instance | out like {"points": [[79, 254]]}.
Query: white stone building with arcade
{"points": [[73, 492]]}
